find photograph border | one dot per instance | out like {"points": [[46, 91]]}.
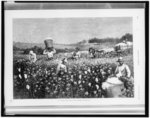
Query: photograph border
{"points": [[146, 54]]}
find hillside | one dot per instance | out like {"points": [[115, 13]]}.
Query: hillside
{"points": [[22, 45], [82, 46]]}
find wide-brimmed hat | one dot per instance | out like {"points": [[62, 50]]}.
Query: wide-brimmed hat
{"points": [[120, 59]]}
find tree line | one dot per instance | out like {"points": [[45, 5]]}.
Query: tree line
{"points": [[112, 40]]}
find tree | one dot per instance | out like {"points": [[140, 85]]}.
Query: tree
{"points": [[127, 36]]}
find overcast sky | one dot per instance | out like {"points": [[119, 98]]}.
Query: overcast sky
{"points": [[69, 30]]}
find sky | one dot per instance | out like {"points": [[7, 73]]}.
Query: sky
{"points": [[69, 30]]}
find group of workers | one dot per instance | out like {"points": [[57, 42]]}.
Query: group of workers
{"points": [[122, 70], [49, 52]]}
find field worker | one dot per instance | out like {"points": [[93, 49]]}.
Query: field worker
{"points": [[66, 52], [122, 71], [62, 66], [92, 53], [32, 57], [76, 54], [49, 52]]}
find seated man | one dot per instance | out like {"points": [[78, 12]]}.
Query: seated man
{"points": [[123, 71]]}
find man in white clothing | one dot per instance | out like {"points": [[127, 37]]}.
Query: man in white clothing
{"points": [[50, 53], [76, 54], [62, 66], [123, 71]]}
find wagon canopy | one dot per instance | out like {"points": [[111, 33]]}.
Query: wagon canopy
{"points": [[123, 46]]}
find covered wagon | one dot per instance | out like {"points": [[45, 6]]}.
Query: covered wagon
{"points": [[123, 46]]}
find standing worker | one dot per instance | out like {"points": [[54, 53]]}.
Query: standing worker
{"points": [[76, 54], [32, 57], [49, 49], [62, 66], [49, 52], [66, 53], [92, 53]]}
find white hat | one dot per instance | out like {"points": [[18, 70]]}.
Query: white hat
{"points": [[31, 52], [120, 59]]}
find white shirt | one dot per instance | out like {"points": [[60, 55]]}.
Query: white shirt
{"points": [[77, 54], [49, 54], [66, 54], [61, 66], [123, 71]]}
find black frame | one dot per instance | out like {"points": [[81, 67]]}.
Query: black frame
{"points": [[67, 7]]}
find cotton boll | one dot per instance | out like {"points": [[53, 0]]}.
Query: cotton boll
{"points": [[67, 89], [96, 79], [97, 87], [20, 76], [75, 83], [89, 70], [27, 87], [25, 76], [46, 72], [86, 93], [19, 69], [47, 88], [89, 84], [71, 76], [95, 92], [80, 76], [59, 78], [55, 92], [85, 72], [83, 82], [79, 82]]}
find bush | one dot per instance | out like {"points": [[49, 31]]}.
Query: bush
{"points": [[35, 49], [16, 48], [127, 36], [97, 40], [81, 81]]}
